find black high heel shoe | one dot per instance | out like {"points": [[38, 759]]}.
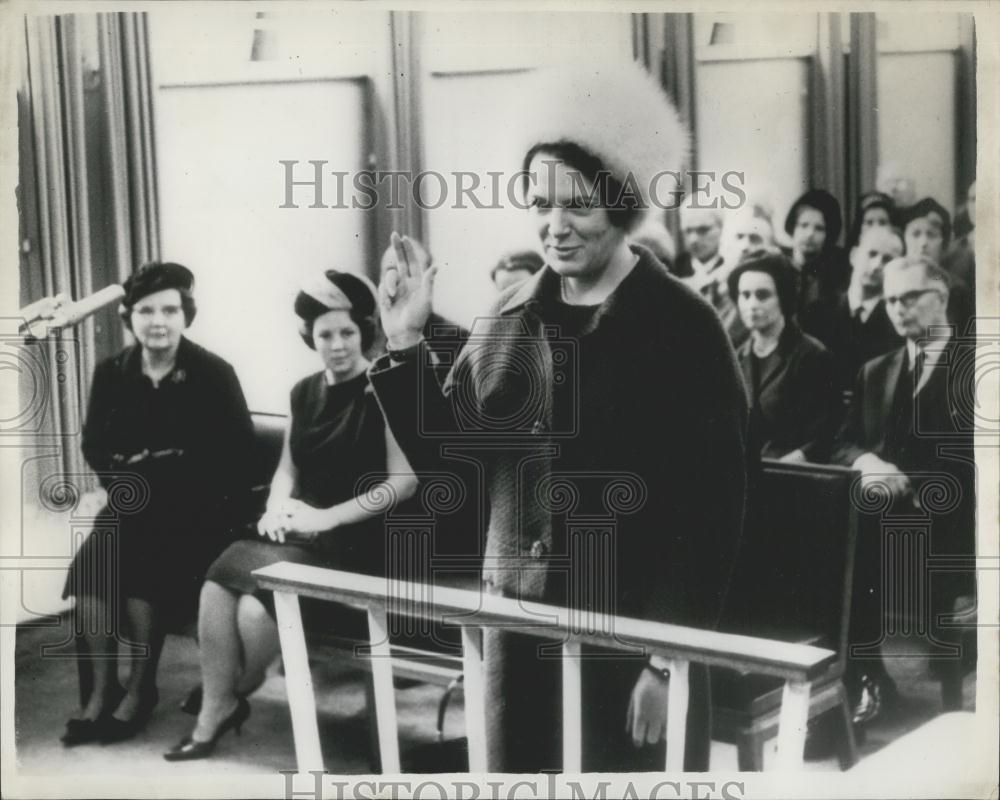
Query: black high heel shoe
{"points": [[192, 703], [187, 749], [84, 731], [118, 730]]}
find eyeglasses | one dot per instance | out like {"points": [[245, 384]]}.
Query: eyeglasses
{"points": [[909, 298]]}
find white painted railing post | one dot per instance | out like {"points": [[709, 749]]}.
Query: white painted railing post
{"points": [[385, 695], [298, 682], [475, 697], [793, 720], [677, 712], [572, 693], [795, 663]]}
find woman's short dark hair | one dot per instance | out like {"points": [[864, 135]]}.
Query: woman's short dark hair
{"points": [[156, 276], [624, 208], [865, 203], [784, 275], [924, 208], [309, 308], [826, 204]]}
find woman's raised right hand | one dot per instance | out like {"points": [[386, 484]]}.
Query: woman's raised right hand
{"points": [[405, 293]]}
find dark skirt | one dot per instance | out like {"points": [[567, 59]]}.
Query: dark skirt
{"points": [[357, 548], [158, 560]]}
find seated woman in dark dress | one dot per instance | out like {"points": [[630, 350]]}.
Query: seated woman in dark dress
{"points": [[789, 375], [336, 437], [814, 224], [168, 433]]}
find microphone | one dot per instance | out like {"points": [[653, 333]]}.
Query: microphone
{"points": [[81, 309], [58, 313]]}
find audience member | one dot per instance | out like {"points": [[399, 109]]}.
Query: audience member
{"points": [[701, 230], [514, 268], [926, 229], [875, 210], [169, 418], [927, 232], [315, 514], [814, 224], [960, 258], [857, 328], [653, 235], [748, 230], [788, 374], [906, 405]]}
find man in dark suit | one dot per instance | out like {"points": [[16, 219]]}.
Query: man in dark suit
{"points": [[855, 326], [908, 431]]}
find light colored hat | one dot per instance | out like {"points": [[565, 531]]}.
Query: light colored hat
{"points": [[618, 113]]}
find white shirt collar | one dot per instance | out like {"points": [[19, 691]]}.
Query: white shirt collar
{"points": [[704, 267], [856, 301], [932, 348]]}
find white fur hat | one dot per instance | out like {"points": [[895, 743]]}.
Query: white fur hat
{"points": [[615, 111]]}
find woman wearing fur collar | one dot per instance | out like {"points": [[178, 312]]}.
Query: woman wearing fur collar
{"points": [[607, 388]]}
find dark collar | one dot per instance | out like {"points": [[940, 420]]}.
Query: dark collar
{"points": [[131, 360], [544, 288], [789, 339]]}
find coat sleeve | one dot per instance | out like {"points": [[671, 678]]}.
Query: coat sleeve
{"points": [[850, 441], [234, 443], [418, 407], [704, 476], [817, 404], [99, 410]]}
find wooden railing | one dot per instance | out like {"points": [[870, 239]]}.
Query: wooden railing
{"points": [[796, 664]]}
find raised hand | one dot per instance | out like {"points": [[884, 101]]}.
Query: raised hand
{"points": [[405, 293]]}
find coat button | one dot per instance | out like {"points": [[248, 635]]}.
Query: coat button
{"points": [[537, 549]]}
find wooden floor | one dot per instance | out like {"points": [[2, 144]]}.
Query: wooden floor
{"points": [[46, 697]]}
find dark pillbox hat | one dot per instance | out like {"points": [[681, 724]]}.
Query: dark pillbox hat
{"points": [[155, 277]]}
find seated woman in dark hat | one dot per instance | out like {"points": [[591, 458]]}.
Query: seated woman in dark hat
{"points": [[814, 223], [875, 210], [336, 437], [789, 375], [168, 433]]}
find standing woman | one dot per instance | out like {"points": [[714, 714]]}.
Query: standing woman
{"points": [[600, 367], [788, 374], [336, 439], [168, 417]]}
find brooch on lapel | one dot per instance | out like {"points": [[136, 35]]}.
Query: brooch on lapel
{"points": [[178, 376]]}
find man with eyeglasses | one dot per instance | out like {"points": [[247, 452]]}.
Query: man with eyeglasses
{"points": [[701, 229], [908, 431]]}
